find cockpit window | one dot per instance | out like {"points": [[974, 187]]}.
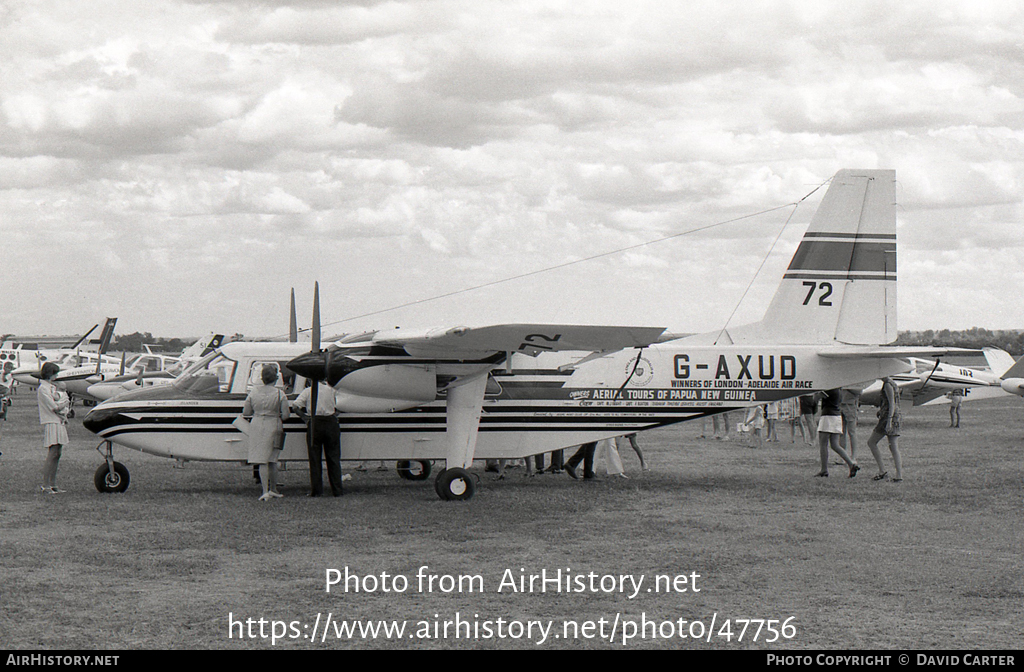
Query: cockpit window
{"points": [[212, 373], [147, 363]]}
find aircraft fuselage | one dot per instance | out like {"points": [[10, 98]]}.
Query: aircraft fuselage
{"points": [[532, 404]]}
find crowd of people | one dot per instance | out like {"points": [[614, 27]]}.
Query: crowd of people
{"points": [[829, 419]]}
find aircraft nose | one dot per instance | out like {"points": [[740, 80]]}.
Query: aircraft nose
{"points": [[312, 365], [99, 418]]}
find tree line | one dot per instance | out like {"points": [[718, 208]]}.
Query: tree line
{"points": [[1011, 340], [136, 342]]}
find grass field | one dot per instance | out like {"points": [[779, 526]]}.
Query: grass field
{"points": [[930, 563]]}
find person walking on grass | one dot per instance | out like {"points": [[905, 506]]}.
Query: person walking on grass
{"points": [[889, 427], [830, 428]]}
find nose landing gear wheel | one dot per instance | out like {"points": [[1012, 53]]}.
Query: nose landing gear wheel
{"points": [[455, 484], [112, 482]]}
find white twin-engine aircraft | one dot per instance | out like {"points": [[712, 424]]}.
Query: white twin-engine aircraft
{"points": [[76, 363], [929, 380], [516, 390]]}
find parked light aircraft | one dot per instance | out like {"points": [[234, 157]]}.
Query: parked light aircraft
{"points": [[929, 380], [75, 363], [14, 355], [515, 390], [149, 369], [16, 352]]}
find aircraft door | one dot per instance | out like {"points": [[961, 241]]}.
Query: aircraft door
{"points": [[285, 379]]}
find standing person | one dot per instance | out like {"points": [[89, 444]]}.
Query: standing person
{"points": [[267, 406], [889, 427], [789, 412], [773, 413], [557, 461], [956, 397], [849, 406], [754, 422], [830, 428], [323, 438], [5, 399], [724, 420], [808, 409], [53, 416], [586, 454], [607, 453], [636, 449]]}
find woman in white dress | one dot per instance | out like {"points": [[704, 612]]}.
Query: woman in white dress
{"points": [[267, 406]]}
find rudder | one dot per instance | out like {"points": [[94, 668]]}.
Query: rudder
{"points": [[841, 282]]}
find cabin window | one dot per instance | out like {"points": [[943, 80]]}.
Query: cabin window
{"points": [[148, 364], [213, 373]]}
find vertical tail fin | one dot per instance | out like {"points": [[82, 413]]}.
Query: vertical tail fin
{"points": [[1015, 371], [103, 342], [841, 283], [202, 347], [999, 360]]}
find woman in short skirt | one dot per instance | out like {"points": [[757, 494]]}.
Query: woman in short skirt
{"points": [[889, 427], [830, 428], [53, 416]]}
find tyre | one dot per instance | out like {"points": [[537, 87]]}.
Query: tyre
{"points": [[437, 484], [456, 484], [116, 482], [413, 470]]}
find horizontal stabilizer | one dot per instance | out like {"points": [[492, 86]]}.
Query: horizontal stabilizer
{"points": [[530, 339]]}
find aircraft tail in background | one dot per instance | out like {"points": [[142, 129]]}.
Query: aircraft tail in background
{"points": [[103, 342]]}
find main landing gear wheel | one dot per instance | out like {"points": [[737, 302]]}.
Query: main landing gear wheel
{"points": [[455, 484], [413, 470], [112, 482]]}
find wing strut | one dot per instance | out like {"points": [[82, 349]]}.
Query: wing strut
{"points": [[465, 404]]}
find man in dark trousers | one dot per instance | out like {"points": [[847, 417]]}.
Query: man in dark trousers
{"points": [[586, 454], [323, 438]]}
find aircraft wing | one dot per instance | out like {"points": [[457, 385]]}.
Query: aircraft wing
{"points": [[897, 351], [928, 393], [531, 339]]}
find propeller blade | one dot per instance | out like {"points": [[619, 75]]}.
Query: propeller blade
{"points": [[120, 371], [930, 373], [316, 317], [293, 324]]}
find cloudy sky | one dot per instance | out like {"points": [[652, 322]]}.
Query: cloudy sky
{"points": [[182, 165]]}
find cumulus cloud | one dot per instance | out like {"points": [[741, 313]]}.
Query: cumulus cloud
{"points": [[405, 149]]}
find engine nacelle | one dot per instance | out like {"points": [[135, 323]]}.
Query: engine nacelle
{"points": [[1013, 385], [384, 388]]}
